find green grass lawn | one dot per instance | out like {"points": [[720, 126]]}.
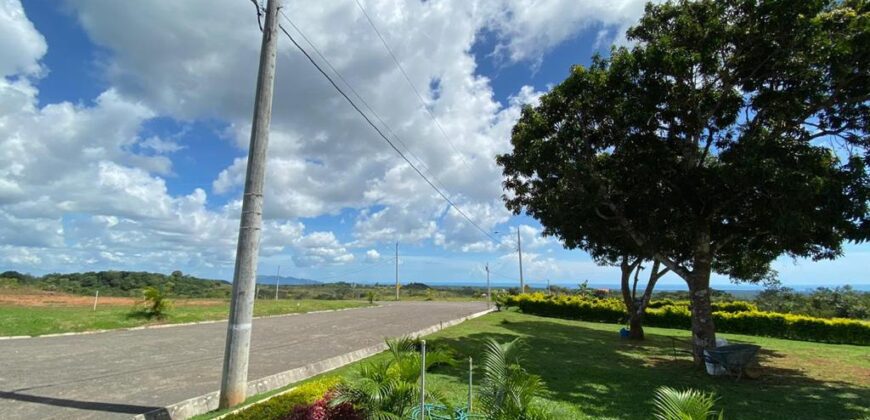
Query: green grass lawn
{"points": [[592, 373], [39, 320]]}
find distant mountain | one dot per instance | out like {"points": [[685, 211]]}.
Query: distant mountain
{"points": [[286, 281]]}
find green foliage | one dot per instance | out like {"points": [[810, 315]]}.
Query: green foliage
{"points": [[729, 133], [690, 404], [571, 307], [278, 407], [346, 291], [125, 283], [735, 306], [728, 306], [157, 303], [507, 391], [681, 145], [500, 299], [840, 302], [371, 296], [390, 388], [677, 315]]}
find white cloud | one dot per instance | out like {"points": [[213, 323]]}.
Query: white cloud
{"points": [[80, 188], [372, 255], [21, 46], [320, 248], [529, 28], [160, 146]]}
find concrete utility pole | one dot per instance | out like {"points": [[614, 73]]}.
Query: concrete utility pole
{"points": [[520, 251], [488, 291], [277, 280], [397, 271], [235, 368]]}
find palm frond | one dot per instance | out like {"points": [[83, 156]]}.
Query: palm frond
{"points": [[690, 404]]}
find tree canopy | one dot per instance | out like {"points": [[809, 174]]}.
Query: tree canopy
{"points": [[730, 133]]}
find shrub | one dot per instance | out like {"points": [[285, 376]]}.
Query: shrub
{"points": [[727, 318], [690, 404], [727, 306], [325, 409], [156, 302], [734, 306], [285, 405]]}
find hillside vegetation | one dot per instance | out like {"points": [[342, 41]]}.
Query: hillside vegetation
{"points": [[120, 283]]}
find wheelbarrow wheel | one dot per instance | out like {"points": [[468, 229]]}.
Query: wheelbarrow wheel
{"points": [[753, 371]]}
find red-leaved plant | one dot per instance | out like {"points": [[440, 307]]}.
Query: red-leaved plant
{"points": [[323, 410]]}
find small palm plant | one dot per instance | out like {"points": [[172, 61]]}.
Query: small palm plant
{"points": [[691, 404], [371, 296], [391, 388], [507, 391], [157, 302]]}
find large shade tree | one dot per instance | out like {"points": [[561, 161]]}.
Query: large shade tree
{"points": [[730, 133]]}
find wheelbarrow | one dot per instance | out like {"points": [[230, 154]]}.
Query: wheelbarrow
{"points": [[734, 358]]}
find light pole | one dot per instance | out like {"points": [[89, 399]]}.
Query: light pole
{"points": [[397, 271], [520, 254], [277, 280], [488, 290]]}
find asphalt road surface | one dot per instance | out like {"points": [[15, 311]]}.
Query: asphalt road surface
{"points": [[119, 374]]}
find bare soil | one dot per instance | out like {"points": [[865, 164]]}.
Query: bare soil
{"points": [[45, 298]]}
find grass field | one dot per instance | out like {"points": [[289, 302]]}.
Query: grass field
{"points": [[592, 373], [39, 314]]}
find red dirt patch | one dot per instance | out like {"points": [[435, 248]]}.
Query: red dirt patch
{"points": [[60, 299]]}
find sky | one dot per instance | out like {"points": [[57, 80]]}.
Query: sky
{"points": [[124, 129]]}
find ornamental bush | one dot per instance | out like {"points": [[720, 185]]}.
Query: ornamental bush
{"points": [[731, 317], [283, 406]]}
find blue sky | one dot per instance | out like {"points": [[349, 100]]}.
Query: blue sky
{"points": [[134, 121]]}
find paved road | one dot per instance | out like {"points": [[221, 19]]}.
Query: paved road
{"points": [[119, 374]]}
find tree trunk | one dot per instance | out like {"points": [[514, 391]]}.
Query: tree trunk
{"points": [[636, 330], [636, 326], [703, 329]]}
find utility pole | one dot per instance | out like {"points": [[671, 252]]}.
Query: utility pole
{"points": [[277, 280], [397, 271], [235, 367], [488, 291], [520, 251]]}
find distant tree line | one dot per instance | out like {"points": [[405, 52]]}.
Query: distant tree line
{"points": [[824, 302], [122, 283]]}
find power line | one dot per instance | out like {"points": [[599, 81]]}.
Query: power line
{"points": [[408, 79], [349, 272], [361, 99], [381, 133]]}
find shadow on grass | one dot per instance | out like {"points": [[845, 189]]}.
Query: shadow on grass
{"points": [[610, 377], [145, 315]]}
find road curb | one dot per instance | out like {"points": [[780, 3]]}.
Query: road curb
{"points": [[183, 324], [209, 402]]}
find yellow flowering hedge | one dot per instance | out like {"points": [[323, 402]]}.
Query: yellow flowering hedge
{"points": [[728, 317]]}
